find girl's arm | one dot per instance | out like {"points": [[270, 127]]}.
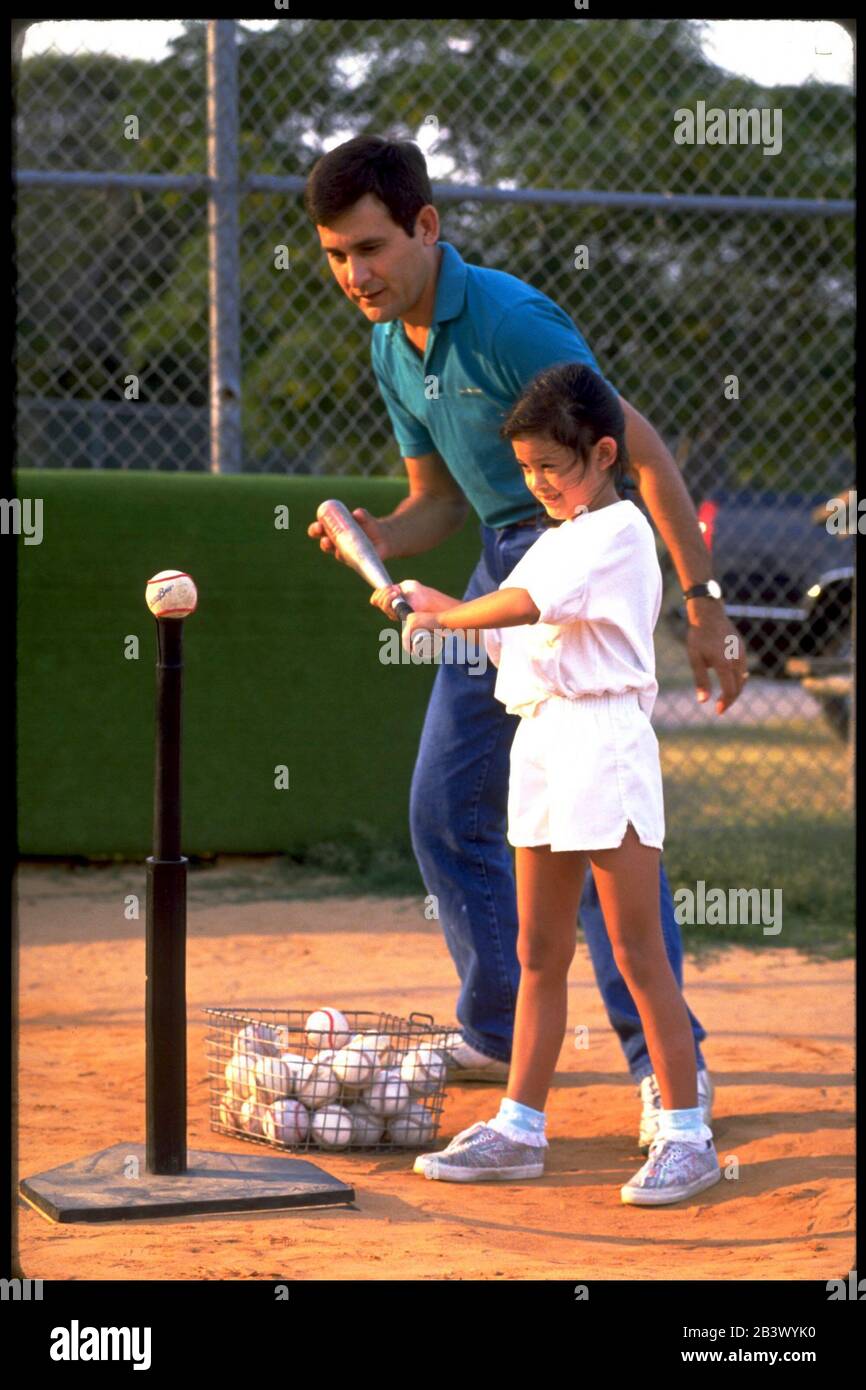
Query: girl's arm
{"points": [[502, 608]]}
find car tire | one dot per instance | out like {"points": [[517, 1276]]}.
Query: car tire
{"points": [[836, 710]]}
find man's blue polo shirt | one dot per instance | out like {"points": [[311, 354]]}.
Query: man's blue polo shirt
{"points": [[491, 333]]}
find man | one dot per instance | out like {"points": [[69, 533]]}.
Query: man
{"points": [[452, 346]]}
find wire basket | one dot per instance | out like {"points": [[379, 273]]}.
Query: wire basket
{"points": [[377, 1083]]}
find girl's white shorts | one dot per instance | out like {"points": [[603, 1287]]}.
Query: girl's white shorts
{"points": [[581, 769]]}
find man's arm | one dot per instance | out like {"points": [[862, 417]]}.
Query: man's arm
{"points": [[435, 508], [713, 641]]}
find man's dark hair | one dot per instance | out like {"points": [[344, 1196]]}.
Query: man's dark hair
{"points": [[574, 406], [394, 170]]}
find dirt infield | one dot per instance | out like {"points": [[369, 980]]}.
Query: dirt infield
{"points": [[780, 1049]]}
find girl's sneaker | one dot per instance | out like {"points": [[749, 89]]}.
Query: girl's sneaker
{"points": [[482, 1154], [674, 1170]]}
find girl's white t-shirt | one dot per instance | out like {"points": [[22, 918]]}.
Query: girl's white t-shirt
{"points": [[597, 585]]}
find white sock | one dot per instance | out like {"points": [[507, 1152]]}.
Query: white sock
{"points": [[520, 1123], [685, 1125]]}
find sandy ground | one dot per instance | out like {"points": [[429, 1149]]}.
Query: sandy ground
{"points": [[780, 1050]]}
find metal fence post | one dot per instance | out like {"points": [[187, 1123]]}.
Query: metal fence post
{"points": [[223, 247]]}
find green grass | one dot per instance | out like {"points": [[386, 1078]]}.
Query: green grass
{"points": [[811, 861], [764, 807], [748, 777]]}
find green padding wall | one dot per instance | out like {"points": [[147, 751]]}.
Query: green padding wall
{"points": [[281, 665]]}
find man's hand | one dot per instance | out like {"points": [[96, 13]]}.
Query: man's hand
{"points": [[368, 523], [713, 643]]}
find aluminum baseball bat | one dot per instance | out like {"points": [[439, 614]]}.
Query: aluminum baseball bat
{"points": [[356, 548]]}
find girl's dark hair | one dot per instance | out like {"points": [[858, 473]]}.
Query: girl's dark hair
{"points": [[394, 170], [574, 406]]}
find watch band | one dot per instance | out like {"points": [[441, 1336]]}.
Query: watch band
{"points": [[709, 590]]}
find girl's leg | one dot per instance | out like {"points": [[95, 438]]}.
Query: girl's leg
{"points": [[549, 886], [511, 1144], [627, 880]]}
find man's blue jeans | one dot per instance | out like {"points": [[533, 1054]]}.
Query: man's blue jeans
{"points": [[458, 819]]}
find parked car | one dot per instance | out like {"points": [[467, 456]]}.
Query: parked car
{"points": [[788, 584]]}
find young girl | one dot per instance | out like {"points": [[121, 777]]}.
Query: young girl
{"points": [[571, 633]]}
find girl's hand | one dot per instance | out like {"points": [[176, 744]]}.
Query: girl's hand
{"points": [[420, 596], [417, 622], [384, 599]]}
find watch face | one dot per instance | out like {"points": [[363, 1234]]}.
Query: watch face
{"points": [[714, 589]]}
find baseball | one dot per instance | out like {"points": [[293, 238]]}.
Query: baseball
{"points": [[241, 1074], [171, 594], [271, 1080], [316, 1085], [252, 1115], [380, 1043], [367, 1128], [295, 1064], [258, 1037], [423, 1070], [415, 1125], [323, 1058], [230, 1111], [286, 1122], [353, 1066], [388, 1094], [327, 1028], [332, 1126]]}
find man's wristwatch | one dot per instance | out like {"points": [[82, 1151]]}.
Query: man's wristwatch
{"points": [[709, 590]]}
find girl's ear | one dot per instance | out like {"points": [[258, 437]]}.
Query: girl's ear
{"points": [[606, 451]]}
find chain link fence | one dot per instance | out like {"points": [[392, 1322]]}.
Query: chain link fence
{"points": [[716, 292]]}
